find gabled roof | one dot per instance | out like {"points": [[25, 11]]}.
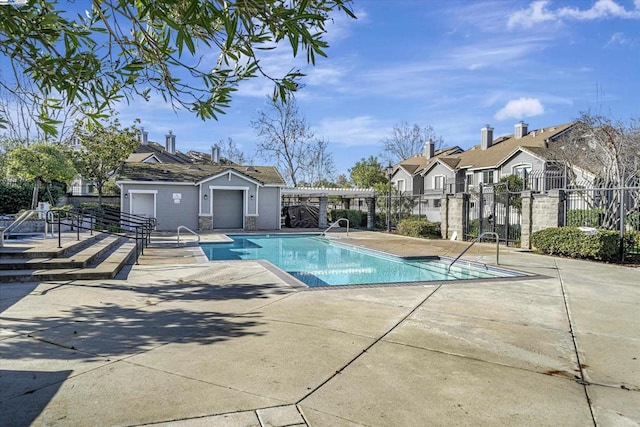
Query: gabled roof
{"points": [[503, 147], [160, 153], [417, 163], [191, 173]]}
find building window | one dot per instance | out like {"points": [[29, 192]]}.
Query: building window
{"points": [[436, 203], [469, 180], [522, 171], [438, 182], [400, 185], [487, 177]]}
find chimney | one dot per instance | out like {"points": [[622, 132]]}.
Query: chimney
{"points": [[144, 136], [215, 154], [170, 142], [487, 137], [429, 149], [522, 129]]}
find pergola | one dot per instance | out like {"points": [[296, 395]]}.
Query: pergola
{"points": [[323, 193]]}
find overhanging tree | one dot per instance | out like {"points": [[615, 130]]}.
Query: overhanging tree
{"points": [[102, 151], [193, 52]]}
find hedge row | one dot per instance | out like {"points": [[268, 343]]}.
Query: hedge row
{"points": [[419, 228], [17, 197], [570, 241], [357, 219]]}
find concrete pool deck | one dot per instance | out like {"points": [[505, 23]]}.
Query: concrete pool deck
{"points": [[189, 343]]}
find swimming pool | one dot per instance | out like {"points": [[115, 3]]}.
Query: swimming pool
{"points": [[320, 262]]}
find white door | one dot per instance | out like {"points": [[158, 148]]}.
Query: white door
{"points": [[143, 204]]}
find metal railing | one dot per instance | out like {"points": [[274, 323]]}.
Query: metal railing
{"points": [[334, 224], [4, 232], [474, 242], [189, 230], [106, 221]]}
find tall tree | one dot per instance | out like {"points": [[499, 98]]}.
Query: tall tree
{"points": [[286, 139], [121, 49], [42, 163], [368, 173], [102, 151], [230, 150], [406, 141], [319, 167]]}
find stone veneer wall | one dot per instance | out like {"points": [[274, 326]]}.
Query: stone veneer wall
{"points": [[453, 209], [540, 211], [205, 222], [251, 223]]}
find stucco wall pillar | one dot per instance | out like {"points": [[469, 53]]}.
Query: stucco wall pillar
{"points": [[526, 224], [444, 216], [456, 215], [371, 213], [322, 214], [547, 210]]}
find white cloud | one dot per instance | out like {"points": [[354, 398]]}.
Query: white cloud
{"points": [[520, 108], [600, 9], [538, 12], [534, 14], [619, 39], [351, 131]]}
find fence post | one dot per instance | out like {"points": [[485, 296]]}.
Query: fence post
{"points": [[526, 224]]}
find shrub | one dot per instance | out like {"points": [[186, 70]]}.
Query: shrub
{"points": [[419, 228], [585, 217], [17, 197], [570, 241], [357, 219], [631, 244]]}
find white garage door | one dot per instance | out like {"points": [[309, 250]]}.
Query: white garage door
{"points": [[228, 209]]}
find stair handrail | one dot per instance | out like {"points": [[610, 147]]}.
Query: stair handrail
{"points": [[139, 229], [17, 223], [335, 223], [189, 230], [484, 233]]}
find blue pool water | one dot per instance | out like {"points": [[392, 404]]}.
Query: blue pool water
{"points": [[320, 262]]}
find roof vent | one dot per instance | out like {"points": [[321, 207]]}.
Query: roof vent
{"points": [[250, 169]]}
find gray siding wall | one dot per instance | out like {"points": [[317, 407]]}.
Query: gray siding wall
{"points": [[400, 175], [269, 208], [437, 170], [169, 214], [518, 159]]}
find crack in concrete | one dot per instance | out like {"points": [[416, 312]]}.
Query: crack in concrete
{"points": [[377, 340], [583, 381]]}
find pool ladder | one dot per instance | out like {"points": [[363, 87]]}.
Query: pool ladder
{"points": [[485, 233], [184, 227], [335, 224]]}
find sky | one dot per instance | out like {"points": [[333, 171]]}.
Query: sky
{"points": [[452, 65]]}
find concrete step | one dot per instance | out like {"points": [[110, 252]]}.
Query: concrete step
{"points": [[105, 268], [79, 259], [48, 248]]}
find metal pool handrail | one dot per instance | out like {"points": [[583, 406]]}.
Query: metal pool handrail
{"points": [[189, 230], [335, 223], [474, 242]]}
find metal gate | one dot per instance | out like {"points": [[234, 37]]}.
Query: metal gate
{"points": [[494, 208]]}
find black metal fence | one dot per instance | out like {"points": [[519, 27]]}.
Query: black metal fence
{"points": [[607, 208], [494, 208]]}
